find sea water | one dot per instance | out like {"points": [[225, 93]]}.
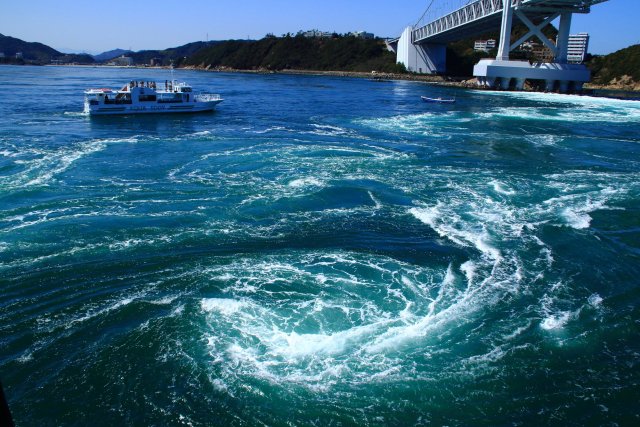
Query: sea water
{"points": [[317, 251]]}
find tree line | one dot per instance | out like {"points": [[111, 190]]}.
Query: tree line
{"points": [[297, 52]]}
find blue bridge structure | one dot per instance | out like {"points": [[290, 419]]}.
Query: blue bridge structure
{"points": [[422, 47]]}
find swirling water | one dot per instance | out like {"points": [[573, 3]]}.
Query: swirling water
{"points": [[318, 251]]}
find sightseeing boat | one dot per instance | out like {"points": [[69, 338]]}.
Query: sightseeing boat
{"points": [[141, 97]]}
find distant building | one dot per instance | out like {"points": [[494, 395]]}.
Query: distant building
{"points": [[317, 33], [155, 62], [1, 54], [484, 45], [122, 61], [578, 46], [19, 55], [542, 53], [528, 45], [363, 35]]}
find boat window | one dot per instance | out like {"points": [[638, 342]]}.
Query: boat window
{"points": [[147, 98], [186, 89]]}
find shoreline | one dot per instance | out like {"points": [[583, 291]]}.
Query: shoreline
{"points": [[447, 81]]}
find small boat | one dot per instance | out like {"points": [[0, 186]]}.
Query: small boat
{"points": [[148, 98], [379, 80], [439, 100]]}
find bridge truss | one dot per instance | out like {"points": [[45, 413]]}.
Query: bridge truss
{"points": [[484, 15]]}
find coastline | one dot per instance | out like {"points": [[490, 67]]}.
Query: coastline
{"points": [[616, 89], [459, 82]]}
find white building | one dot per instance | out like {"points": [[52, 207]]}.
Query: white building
{"points": [[122, 61], [484, 45], [317, 33], [578, 47], [363, 35]]}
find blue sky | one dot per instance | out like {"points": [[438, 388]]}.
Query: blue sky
{"points": [[98, 25]]}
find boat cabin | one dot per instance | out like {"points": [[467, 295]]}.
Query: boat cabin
{"points": [[141, 92], [149, 97]]}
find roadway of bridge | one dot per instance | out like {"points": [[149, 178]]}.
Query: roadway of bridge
{"points": [[483, 16]]}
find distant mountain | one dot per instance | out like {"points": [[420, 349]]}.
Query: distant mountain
{"points": [[105, 56], [30, 51], [37, 53]]}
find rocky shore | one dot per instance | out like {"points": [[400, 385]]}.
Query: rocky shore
{"points": [[625, 83]]}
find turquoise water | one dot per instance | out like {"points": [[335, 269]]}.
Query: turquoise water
{"points": [[318, 251]]}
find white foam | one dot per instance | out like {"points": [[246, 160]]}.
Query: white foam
{"points": [[416, 124], [44, 166], [595, 300], [469, 270], [329, 130], [517, 332], [306, 182], [223, 306], [556, 321], [377, 202], [293, 345], [432, 216], [501, 188], [576, 219], [585, 101], [544, 140], [93, 313]]}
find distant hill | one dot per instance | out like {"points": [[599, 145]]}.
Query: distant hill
{"points": [[105, 56], [30, 51], [173, 54], [36, 53], [337, 53], [616, 66]]}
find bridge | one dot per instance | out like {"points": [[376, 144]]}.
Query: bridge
{"points": [[422, 47]]}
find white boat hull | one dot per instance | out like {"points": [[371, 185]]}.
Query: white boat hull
{"points": [[438, 100], [195, 107]]}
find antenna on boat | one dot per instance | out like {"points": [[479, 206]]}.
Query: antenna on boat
{"points": [[171, 67]]}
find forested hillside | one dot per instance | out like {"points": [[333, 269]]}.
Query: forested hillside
{"points": [[617, 65], [337, 53], [35, 53]]}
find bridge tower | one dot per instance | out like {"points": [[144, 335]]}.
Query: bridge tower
{"points": [[425, 58], [423, 49]]}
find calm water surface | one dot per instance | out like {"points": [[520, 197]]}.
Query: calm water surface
{"points": [[318, 251]]}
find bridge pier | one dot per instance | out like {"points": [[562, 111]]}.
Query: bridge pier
{"points": [[505, 82], [487, 71], [428, 58], [566, 75]]}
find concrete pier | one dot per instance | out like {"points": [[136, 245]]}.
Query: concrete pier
{"points": [[562, 75], [427, 58]]}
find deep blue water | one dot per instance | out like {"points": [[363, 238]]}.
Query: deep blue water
{"points": [[318, 251]]}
